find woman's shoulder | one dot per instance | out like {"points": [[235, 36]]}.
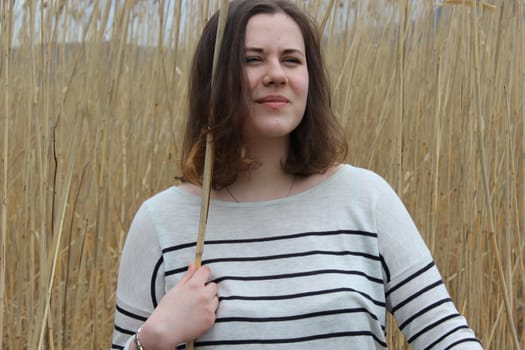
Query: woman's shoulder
{"points": [[345, 181], [363, 178], [335, 175], [169, 197]]}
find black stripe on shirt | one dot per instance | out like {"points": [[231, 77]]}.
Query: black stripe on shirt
{"points": [[124, 331], [461, 341], [445, 335], [272, 238], [423, 311], [130, 314], [291, 340], [303, 295], [277, 257], [409, 278], [117, 347], [385, 268], [415, 295], [298, 274], [180, 247], [154, 276], [433, 325], [297, 317]]}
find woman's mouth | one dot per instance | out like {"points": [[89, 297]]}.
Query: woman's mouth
{"points": [[273, 101]]}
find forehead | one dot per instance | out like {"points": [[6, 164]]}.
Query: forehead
{"points": [[275, 30]]}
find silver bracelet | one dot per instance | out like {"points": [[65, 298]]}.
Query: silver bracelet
{"points": [[138, 344]]}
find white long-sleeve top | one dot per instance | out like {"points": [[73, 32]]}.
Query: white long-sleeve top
{"points": [[316, 270]]}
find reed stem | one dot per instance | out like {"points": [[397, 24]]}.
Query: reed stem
{"points": [[5, 55], [209, 154]]}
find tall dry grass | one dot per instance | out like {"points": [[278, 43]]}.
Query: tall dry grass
{"points": [[91, 129]]}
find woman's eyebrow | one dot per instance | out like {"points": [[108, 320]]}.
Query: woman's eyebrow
{"points": [[285, 51], [256, 49]]}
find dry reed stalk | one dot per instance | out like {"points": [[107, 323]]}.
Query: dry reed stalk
{"points": [[5, 65], [175, 33], [326, 16], [346, 62], [484, 5], [404, 15], [509, 171], [436, 159], [34, 164], [209, 153], [443, 126], [520, 52], [42, 133], [485, 177]]}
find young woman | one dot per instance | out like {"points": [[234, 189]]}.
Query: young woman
{"points": [[302, 251]]}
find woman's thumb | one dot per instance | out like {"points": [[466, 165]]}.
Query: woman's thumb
{"points": [[191, 270]]}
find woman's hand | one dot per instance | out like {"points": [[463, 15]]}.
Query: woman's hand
{"points": [[184, 313]]}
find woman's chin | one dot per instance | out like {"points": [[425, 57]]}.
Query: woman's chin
{"points": [[272, 129]]}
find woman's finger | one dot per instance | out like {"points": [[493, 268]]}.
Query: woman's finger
{"points": [[189, 273], [201, 275]]}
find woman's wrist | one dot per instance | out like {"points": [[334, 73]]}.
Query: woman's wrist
{"points": [[148, 338], [137, 341], [152, 337]]}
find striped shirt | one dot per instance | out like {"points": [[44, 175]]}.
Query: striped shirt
{"points": [[316, 270]]}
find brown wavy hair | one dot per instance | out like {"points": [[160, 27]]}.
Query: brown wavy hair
{"points": [[315, 145]]}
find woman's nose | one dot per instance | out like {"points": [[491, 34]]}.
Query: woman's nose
{"points": [[275, 75]]}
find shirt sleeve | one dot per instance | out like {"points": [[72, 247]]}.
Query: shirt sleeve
{"points": [[140, 281], [415, 292]]}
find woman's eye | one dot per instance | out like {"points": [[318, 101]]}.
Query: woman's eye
{"points": [[292, 60], [253, 59]]}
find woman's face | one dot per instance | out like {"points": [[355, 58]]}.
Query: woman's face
{"points": [[277, 76]]}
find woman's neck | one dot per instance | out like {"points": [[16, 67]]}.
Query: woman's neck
{"points": [[267, 180], [261, 185]]}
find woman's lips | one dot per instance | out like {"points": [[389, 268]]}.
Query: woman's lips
{"points": [[273, 102]]}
